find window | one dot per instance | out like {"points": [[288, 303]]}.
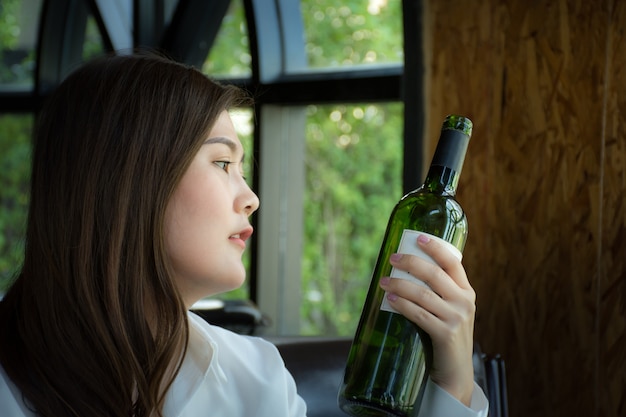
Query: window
{"points": [[353, 168], [330, 175], [18, 34], [330, 165], [324, 142], [352, 33], [93, 45], [230, 55]]}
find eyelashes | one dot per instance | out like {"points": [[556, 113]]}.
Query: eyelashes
{"points": [[225, 166]]}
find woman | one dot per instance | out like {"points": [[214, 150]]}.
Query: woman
{"points": [[139, 208]]}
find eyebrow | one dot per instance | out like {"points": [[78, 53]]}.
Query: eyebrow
{"points": [[225, 141]]}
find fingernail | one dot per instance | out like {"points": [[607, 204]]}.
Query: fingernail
{"points": [[423, 239], [392, 297], [385, 281], [395, 257]]}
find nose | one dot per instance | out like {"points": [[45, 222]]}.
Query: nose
{"points": [[249, 201], [253, 205]]}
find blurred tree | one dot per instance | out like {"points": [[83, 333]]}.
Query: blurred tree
{"points": [[352, 32], [353, 180], [353, 163], [15, 133], [14, 146], [16, 63], [230, 55]]}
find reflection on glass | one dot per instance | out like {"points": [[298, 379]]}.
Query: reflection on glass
{"points": [[353, 179], [18, 36], [230, 54], [352, 33]]}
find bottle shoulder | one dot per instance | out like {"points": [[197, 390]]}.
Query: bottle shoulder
{"points": [[438, 214], [424, 196]]}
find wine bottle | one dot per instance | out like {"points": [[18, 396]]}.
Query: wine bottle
{"points": [[390, 357]]}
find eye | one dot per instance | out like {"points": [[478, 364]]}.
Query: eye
{"points": [[225, 165]]}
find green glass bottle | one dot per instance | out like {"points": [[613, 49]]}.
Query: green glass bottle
{"points": [[390, 357]]}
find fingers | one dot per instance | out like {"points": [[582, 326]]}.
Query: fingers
{"points": [[446, 305], [445, 276], [417, 303], [444, 258], [444, 319], [444, 308]]}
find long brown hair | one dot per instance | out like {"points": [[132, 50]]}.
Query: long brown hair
{"points": [[94, 321]]}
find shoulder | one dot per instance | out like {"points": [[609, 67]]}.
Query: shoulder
{"points": [[231, 345], [243, 364]]}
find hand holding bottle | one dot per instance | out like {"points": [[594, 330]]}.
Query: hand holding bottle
{"points": [[445, 310], [391, 356]]}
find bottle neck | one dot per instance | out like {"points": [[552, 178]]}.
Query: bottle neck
{"points": [[445, 168], [442, 180]]}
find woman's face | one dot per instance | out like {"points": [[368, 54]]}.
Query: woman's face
{"points": [[206, 220]]}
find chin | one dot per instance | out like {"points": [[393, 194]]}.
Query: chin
{"points": [[237, 285], [231, 283]]}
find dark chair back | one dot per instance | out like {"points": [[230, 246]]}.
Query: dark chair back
{"points": [[317, 365]]}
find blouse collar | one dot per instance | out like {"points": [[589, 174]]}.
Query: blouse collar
{"points": [[200, 362]]}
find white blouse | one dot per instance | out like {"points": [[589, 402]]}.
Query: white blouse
{"points": [[230, 375]]}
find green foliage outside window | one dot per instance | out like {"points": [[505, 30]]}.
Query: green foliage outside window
{"points": [[15, 134], [353, 180], [353, 163], [352, 32], [230, 54], [16, 62]]}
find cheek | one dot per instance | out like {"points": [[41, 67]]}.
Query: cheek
{"points": [[193, 225], [198, 249], [189, 218]]}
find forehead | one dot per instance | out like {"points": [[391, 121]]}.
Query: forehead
{"points": [[223, 131], [223, 125]]}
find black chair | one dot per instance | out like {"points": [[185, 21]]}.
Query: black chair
{"points": [[239, 316], [496, 386], [317, 365]]}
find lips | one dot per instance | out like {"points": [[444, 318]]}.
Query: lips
{"points": [[244, 234], [241, 237]]}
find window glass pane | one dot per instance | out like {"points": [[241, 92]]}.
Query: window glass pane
{"points": [[352, 32], [18, 35], [15, 135], [94, 45], [353, 181], [230, 54]]}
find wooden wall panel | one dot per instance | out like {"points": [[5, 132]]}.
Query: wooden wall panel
{"points": [[543, 187], [612, 278]]}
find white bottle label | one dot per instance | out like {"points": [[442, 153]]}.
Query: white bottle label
{"points": [[408, 245]]}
